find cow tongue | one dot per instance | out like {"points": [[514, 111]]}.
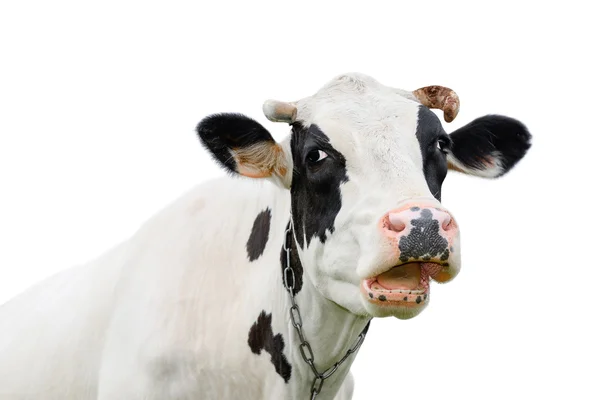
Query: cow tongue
{"points": [[406, 277]]}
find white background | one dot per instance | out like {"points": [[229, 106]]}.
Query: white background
{"points": [[99, 101]]}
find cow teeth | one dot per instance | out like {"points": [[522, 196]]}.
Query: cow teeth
{"points": [[376, 287], [407, 291]]}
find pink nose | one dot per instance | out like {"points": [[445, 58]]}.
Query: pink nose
{"points": [[422, 233], [430, 217]]}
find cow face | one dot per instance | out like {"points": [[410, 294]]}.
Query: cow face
{"points": [[365, 165]]}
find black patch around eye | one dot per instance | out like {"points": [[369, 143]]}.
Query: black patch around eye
{"points": [[259, 235], [435, 168], [261, 338], [316, 195]]}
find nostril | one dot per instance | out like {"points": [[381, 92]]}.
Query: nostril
{"points": [[396, 222], [447, 223]]}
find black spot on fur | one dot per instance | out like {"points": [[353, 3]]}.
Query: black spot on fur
{"points": [[419, 299], [259, 236], [490, 136], [261, 338], [220, 133], [296, 265], [429, 133], [405, 298], [423, 240], [425, 296], [382, 297], [316, 197], [370, 295]]}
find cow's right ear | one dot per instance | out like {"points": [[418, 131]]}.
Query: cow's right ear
{"points": [[243, 146], [489, 146]]}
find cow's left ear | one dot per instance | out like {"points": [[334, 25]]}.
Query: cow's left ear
{"points": [[243, 146], [489, 146]]}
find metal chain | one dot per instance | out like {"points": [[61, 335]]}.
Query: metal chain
{"points": [[305, 349]]}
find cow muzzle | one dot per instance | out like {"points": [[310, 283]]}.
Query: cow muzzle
{"points": [[424, 240]]}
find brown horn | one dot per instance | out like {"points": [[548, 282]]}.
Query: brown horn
{"points": [[279, 111], [441, 98]]}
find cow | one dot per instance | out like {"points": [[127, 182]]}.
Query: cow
{"points": [[262, 284]]}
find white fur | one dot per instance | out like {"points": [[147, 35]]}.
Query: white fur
{"points": [[166, 315]]}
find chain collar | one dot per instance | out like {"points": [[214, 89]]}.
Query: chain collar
{"points": [[305, 348]]}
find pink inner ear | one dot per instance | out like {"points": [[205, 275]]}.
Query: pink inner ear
{"points": [[249, 171], [491, 166], [260, 160], [489, 161]]}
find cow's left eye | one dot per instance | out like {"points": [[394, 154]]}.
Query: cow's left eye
{"points": [[314, 156], [442, 145]]}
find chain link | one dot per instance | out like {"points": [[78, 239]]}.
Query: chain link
{"points": [[305, 348]]}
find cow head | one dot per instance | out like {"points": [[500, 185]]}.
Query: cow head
{"points": [[365, 164]]}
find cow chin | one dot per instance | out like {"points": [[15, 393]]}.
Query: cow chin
{"points": [[398, 311], [402, 291]]}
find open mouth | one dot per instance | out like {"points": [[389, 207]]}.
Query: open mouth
{"points": [[407, 284]]}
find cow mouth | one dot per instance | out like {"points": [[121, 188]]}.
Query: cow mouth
{"points": [[406, 284]]}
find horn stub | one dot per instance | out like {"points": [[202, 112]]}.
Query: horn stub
{"points": [[439, 97], [279, 111]]}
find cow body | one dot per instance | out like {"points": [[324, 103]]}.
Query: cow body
{"points": [[165, 316], [196, 305]]}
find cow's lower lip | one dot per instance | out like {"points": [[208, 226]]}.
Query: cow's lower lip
{"points": [[406, 284]]}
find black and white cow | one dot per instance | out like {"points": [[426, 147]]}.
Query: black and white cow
{"points": [[196, 305]]}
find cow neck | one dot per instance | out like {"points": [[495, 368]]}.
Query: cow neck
{"points": [[324, 336]]}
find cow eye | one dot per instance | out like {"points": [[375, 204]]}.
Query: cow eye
{"points": [[314, 156], [442, 145]]}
